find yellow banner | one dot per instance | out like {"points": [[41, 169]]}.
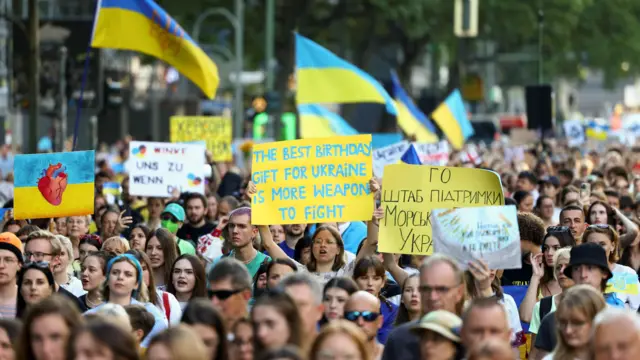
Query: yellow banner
{"points": [[215, 131], [312, 180], [410, 192]]}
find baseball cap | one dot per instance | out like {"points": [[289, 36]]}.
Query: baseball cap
{"points": [[441, 322], [9, 241], [176, 210]]}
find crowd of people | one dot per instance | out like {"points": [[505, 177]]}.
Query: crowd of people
{"points": [[190, 277]]}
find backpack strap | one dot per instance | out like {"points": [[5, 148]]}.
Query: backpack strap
{"points": [[545, 306], [167, 307]]}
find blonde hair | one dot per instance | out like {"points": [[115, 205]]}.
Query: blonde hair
{"points": [[65, 243], [561, 254], [56, 247], [121, 243], [583, 299], [341, 327], [183, 343]]}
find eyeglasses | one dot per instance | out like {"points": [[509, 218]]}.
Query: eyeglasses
{"points": [[36, 255], [9, 260], [223, 294], [558, 229], [367, 316]]}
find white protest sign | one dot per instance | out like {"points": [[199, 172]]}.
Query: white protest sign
{"points": [[574, 132], [436, 154], [387, 155], [489, 233], [156, 168]]}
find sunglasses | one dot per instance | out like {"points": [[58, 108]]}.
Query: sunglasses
{"points": [[599, 226], [367, 316], [223, 294], [169, 218], [557, 229], [37, 264]]}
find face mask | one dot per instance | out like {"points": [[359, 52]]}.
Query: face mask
{"points": [[169, 225]]}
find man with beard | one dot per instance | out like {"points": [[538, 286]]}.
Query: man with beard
{"points": [[197, 225], [10, 262], [292, 233]]}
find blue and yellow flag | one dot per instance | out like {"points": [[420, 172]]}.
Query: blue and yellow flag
{"points": [[317, 121], [597, 130], [142, 25], [324, 78], [53, 185], [411, 156], [410, 119], [451, 117]]}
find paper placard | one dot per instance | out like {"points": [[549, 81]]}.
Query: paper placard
{"points": [[433, 154], [574, 132], [388, 155], [157, 168], [411, 192], [489, 233], [215, 131], [312, 181]]}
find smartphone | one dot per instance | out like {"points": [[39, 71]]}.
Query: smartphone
{"points": [[585, 190]]}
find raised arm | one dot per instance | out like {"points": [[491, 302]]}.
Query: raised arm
{"points": [[370, 244], [531, 297], [267, 240], [632, 230]]}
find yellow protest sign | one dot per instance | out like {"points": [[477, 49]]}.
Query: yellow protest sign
{"points": [[215, 131], [312, 180], [410, 192]]}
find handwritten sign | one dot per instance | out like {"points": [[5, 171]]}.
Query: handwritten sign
{"points": [[312, 180], [214, 130], [410, 192], [388, 155], [433, 154], [156, 168], [626, 283], [489, 233]]}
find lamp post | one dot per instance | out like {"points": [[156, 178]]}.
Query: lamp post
{"points": [[237, 21], [540, 43]]}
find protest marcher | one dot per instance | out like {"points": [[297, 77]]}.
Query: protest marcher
{"points": [[410, 308], [340, 339], [177, 343], [484, 319], [207, 322], [93, 276], [162, 252], [278, 269], [139, 237], [615, 335], [363, 309], [335, 295], [10, 330], [35, 283], [196, 206], [230, 290], [306, 293], [572, 216], [173, 220], [12, 260], [103, 338], [439, 336], [188, 279], [276, 322]]}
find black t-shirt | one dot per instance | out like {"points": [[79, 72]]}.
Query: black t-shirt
{"points": [[192, 234], [517, 277], [546, 338], [80, 304]]}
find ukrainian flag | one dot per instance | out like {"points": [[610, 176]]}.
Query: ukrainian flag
{"points": [[53, 184], [410, 119], [324, 78], [141, 25], [451, 117], [317, 122], [411, 156], [596, 130]]}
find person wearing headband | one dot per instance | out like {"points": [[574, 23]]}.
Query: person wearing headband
{"points": [[124, 286]]}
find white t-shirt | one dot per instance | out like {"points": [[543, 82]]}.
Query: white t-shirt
{"points": [[174, 305], [74, 286], [512, 313]]}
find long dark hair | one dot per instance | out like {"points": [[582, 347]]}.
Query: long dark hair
{"points": [[283, 304], [403, 313], [41, 266], [202, 312], [122, 344], [169, 250], [611, 214], [565, 238], [339, 282], [200, 285], [372, 262]]}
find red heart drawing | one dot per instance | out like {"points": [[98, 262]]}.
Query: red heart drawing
{"points": [[53, 184]]}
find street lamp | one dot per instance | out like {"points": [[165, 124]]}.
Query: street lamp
{"points": [[237, 21]]}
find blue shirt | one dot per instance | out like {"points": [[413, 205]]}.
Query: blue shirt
{"points": [[354, 235], [159, 325], [389, 312], [287, 250]]}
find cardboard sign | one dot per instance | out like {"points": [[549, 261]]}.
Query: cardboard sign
{"points": [[54, 185], [411, 192], [489, 233], [312, 181], [214, 130], [156, 168]]}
